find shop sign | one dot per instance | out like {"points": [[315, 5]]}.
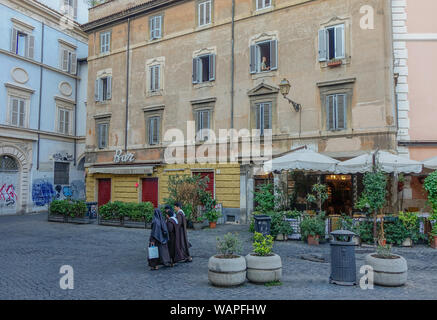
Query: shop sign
{"points": [[121, 157]]}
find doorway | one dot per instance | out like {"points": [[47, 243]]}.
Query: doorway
{"points": [[104, 192], [150, 191]]}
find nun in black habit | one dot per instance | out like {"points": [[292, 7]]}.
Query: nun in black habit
{"points": [[159, 237], [172, 226]]}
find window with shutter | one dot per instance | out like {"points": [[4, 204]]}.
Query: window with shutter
{"points": [[154, 130], [97, 91], [18, 112], [264, 56], [336, 112], [73, 68], [204, 68], [30, 47], [263, 117], [155, 27], [203, 124], [109, 88], [263, 4], [155, 74], [63, 121], [204, 13], [332, 43], [102, 135], [14, 41], [105, 42]]}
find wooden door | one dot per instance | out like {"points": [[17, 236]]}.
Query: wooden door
{"points": [[104, 192], [210, 184], [150, 191]]}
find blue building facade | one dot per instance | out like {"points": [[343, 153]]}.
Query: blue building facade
{"points": [[43, 83]]}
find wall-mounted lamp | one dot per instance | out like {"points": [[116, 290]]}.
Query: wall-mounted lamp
{"points": [[284, 87]]}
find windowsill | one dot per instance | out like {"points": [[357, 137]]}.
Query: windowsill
{"points": [[264, 74], [155, 40], [103, 103], [324, 64], [263, 10], [332, 133], [104, 54], [204, 84], [155, 93], [204, 26]]}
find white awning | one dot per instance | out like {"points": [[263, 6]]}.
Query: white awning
{"points": [[302, 159], [431, 163], [386, 161], [122, 170]]}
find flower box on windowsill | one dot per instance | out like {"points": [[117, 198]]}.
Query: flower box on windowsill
{"points": [[334, 63]]}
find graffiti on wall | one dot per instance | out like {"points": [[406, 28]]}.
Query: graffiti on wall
{"points": [[42, 193], [8, 195]]}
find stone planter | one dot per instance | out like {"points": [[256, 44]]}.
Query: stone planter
{"points": [[282, 237], [148, 225], [407, 242], [57, 218], [227, 272], [111, 222], [197, 225], [313, 240], [127, 223], [433, 242], [388, 272], [79, 220], [263, 269]]}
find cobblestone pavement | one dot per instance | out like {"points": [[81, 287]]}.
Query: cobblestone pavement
{"points": [[110, 263]]}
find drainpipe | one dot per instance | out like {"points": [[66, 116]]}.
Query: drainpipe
{"points": [[127, 84], [232, 64], [40, 95], [75, 114]]}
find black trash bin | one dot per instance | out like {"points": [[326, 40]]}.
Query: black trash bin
{"points": [[262, 224], [92, 209], [343, 265]]}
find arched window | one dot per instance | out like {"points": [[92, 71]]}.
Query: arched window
{"points": [[8, 164]]}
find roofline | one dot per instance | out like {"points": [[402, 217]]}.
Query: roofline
{"points": [[127, 13]]}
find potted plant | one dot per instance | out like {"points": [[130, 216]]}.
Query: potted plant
{"points": [[283, 228], [312, 228], [227, 268], [388, 269], [347, 223], [112, 213], [410, 221], [77, 212], [401, 182], [212, 216], [433, 236], [58, 211], [335, 63], [263, 265]]}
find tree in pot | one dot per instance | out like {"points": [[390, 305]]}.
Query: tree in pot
{"points": [[227, 268], [312, 228], [430, 186], [347, 223], [389, 269], [410, 221], [373, 199], [263, 266], [209, 204]]}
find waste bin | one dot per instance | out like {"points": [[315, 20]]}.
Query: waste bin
{"points": [[262, 224], [92, 208], [343, 265]]}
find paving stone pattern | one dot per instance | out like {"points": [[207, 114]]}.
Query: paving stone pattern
{"points": [[110, 263]]}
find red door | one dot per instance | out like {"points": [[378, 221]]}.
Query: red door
{"points": [[210, 185], [104, 195], [150, 191]]}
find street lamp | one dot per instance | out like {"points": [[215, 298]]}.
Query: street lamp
{"points": [[284, 87]]}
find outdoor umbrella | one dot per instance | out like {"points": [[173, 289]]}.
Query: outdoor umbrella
{"points": [[386, 161], [431, 163], [301, 159]]}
